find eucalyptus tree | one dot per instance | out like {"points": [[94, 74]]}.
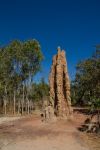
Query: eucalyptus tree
{"points": [[5, 71], [19, 62]]}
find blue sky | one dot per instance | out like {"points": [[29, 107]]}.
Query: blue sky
{"points": [[74, 25]]}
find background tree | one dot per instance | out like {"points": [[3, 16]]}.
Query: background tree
{"points": [[40, 92], [86, 86], [19, 62]]}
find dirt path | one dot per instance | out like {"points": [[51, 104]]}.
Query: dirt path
{"points": [[7, 119], [32, 134]]}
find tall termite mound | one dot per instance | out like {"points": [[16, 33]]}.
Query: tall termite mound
{"points": [[60, 86]]}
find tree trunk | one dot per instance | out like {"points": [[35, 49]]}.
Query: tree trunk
{"points": [[28, 110], [5, 101], [14, 103], [23, 100], [98, 117], [5, 106], [26, 107], [31, 106], [18, 107]]}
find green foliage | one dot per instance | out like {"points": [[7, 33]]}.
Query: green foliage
{"points": [[19, 62], [40, 90], [94, 103], [86, 87]]}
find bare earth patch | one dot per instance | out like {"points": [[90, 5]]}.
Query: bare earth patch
{"points": [[7, 119], [31, 133]]}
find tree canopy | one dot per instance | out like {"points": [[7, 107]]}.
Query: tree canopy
{"points": [[86, 86], [19, 62]]}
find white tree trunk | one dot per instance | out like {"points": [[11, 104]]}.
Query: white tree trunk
{"points": [[5, 106], [23, 100], [5, 101]]}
